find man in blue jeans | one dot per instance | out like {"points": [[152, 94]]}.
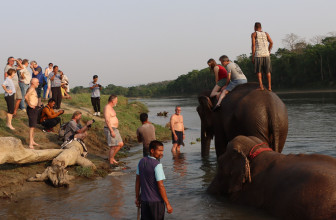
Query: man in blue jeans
{"points": [[149, 180], [24, 81]]}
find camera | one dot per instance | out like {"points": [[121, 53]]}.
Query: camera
{"points": [[99, 85], [93, 121]]}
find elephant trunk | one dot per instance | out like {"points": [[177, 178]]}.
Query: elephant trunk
{"points": [[205, 142]]}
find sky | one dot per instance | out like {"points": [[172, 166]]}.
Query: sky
{"points": [[132, 42]]}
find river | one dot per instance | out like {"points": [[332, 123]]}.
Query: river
{"points": [[311, 130]]}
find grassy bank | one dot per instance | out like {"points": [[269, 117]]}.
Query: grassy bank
{"points": [[13, 176]]}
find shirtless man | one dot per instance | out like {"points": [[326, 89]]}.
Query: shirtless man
{"points": [[111, 128], [177, 128], [32, 102]]}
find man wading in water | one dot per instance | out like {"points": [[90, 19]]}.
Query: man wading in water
{"points": [[111, 128], [149, 180], [177, 128]]}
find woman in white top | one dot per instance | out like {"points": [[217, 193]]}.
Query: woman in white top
{"points": [[9, 88], [48, 70]]}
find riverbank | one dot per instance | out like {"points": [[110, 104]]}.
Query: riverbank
{"points": [[13, 177]]}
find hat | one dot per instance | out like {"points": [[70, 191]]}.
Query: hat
{"points": [[95, 76]]}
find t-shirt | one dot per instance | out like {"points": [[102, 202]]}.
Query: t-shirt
{"points": [[236, 72], [27, 75], [57, 80], [71, 129], [95, 91], [39, 76], [150, 171], [146, 133], [15, 77], [8, 83]]}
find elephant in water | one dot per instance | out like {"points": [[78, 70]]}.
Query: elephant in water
{"points": [[288, 186], [244, 111]]}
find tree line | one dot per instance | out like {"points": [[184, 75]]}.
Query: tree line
{"points": [[299, 65]]}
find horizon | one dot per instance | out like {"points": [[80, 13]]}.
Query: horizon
{"points": [[147, 42]]}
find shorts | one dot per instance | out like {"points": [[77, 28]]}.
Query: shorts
{"points": [[235, 83], [262, 65], [221, 82], [10, 103], [32, 116], [18, 94], [152, 210], [38, 91], [112, 141], [179, 135]]}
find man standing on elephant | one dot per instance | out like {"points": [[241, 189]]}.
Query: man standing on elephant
{"points": [[235, 77], [177, 128], [261, 48]]}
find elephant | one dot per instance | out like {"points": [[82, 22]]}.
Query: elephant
{"points": [[244, 111], [293, 186]]}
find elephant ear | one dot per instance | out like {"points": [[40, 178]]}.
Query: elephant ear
{"points": [[205, 102], [239, 171]]}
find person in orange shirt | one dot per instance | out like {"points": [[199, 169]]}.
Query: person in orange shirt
{"points": [[49, 117]]}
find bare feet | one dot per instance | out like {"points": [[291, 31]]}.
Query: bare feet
{"points": [[31, 146], [10, 127], [261, 88], [270, 89], [35, 144]]}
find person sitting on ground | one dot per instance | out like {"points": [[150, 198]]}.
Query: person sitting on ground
{"points": [[95, 95], [145, 133], [220, 77], [49, 117], [9, 88], [65, 95], [235, 78], [74, 129]]}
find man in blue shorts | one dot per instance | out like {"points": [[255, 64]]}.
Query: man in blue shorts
{"points": [[149, 181], [235, 77]]}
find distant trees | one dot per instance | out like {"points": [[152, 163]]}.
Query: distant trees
{"points": [[298, 65]]}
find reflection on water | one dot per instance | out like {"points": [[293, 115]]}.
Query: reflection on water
{"points": [[311, 130]]}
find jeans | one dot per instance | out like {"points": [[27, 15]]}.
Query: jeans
{"points": [[24, 88]]}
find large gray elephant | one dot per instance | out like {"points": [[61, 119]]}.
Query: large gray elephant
{"points": [[244, 111], [288, 186]]}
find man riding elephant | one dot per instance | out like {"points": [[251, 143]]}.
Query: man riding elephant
{"points": [[244, 111]]}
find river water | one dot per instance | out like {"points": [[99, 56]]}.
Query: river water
{"points": [[311, 130]]}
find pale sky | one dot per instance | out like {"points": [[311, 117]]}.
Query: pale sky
{"points": [[132, 42]]}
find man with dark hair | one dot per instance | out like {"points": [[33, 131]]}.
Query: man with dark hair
{"points": [[235, 77], [145, 133], [149, 180], [114, 140], [37, 73], [261, 48], [56, 79], [95, 95], [49, 117]]}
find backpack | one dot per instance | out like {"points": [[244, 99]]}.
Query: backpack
{"points": [[39, 113]]}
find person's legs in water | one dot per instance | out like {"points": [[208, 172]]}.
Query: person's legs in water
{"points": [[113, 151]]}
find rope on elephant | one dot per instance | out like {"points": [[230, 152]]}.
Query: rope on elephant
{"points": [[260, 150]]}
